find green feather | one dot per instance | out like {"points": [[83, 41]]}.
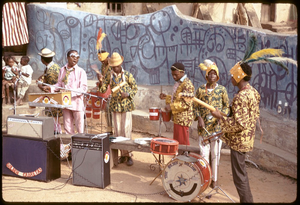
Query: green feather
{"points": [[270, 60], [251, 47]]}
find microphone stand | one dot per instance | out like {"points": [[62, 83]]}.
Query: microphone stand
{"points": [[217, 186], [15, 97]]}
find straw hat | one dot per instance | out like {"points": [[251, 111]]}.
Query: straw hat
{"points": [[115, 59], [47, 53]]}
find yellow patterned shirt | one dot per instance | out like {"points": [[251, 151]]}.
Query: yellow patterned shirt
{"points": [[51, 77], [105, 69], [51, 74], [217, 98], [117, 103], [239, 128], [182, 111]]}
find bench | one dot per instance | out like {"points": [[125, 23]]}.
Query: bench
{"points": [[132, 146]]}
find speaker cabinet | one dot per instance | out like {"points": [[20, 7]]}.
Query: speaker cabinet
{"points": [[31, 158], [35, 127], [90, 160]]}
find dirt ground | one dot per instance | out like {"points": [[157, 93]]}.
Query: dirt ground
{"points": [[132, 184]]}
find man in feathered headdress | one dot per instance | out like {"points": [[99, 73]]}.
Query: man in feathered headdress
{"points": [[105, 67], [102, 56], [239, 128], [215, 95]]}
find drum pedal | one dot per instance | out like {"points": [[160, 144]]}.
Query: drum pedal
{"points": [[208, 197]]}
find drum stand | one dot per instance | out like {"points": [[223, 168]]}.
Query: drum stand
{"points": [[216, 188], [160, 160], [161, 166]]}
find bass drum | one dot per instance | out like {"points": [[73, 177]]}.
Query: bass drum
{"points": [[185, 177]]}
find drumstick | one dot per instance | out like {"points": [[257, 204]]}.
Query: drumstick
{"points": [[95, 68], [189, 96], [206, 130]]}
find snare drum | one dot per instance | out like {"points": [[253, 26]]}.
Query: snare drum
{"points": [[164, 146], [185, 177], [154, 113], [211, 138]]}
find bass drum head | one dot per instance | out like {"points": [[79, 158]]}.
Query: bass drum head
{"points": [[182, 179]]}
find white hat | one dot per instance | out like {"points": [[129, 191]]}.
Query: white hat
{"points": [[47, 53]]}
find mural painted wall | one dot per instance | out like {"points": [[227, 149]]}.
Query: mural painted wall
{"points": [[151, 43]]}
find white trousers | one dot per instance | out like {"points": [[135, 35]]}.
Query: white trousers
{"points": [[122, 126], [213, 148]]}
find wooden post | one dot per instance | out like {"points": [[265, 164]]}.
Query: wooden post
{"points": [[253, 18]]}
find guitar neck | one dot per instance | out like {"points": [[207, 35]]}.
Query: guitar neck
{"points": [[211, 108]]}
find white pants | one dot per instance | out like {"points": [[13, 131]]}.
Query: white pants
{"points": [[215, 151], [122, 126]]}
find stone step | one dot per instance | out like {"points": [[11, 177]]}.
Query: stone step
{"points": [[279, 27]]}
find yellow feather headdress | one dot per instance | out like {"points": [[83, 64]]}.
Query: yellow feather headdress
{"points": [[268, 55], [207, 66], [100, 38], [101, 55]]}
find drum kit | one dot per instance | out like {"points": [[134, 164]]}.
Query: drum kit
{"points": [[185, 176]]}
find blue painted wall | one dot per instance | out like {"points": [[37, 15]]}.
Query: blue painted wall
{"points": [[151, 43]]}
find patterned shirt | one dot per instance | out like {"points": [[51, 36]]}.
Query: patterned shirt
{"points": [[217, 98], [240, 128], [117, 103], [105, 69], [182, 110], [51, 73], [51, 77]]}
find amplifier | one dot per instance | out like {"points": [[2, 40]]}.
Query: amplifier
{"points": [[31, 158], [90, 160], [35, 127]]}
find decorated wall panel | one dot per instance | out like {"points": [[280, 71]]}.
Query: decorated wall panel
{"points": [[151, 43]]}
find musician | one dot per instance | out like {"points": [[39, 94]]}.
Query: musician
{"points": [[73, 77], [215, 95], [240, 127], [182, 110], [105, 67], [121, 104], [50, 76]]}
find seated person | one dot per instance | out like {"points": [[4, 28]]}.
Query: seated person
{"points": [[9, 77]]}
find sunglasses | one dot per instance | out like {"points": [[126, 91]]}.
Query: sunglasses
{"points": [[73, 55]]}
